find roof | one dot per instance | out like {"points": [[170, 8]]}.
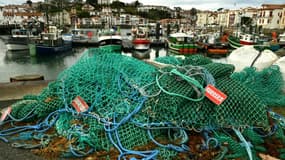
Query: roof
{"points": [[272, 6]]}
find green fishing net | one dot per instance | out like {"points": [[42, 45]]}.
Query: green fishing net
{"points": [[267, 84], [133, 104]]}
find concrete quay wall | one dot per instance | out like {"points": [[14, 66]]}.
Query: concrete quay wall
{"points": [[12, 92]]}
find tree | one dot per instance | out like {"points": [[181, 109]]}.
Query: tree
{"points": [[137, 3], [92, 2], [117, 5], [155, 14], [29, 2]]}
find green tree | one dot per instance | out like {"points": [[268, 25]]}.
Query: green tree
{"points": [[83, 14], [155, 14], [137, 3], [117, 5], [92, 2], [29, 2]]}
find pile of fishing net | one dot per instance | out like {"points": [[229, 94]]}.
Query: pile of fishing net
{"points": [[110, 106]]}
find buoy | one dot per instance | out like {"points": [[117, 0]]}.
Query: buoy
{"points": [[247, 55]]}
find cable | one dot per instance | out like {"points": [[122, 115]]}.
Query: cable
{"points": [[246, 144]]}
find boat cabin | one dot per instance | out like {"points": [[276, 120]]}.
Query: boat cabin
{"points": [[24, 33], [52, 37]]}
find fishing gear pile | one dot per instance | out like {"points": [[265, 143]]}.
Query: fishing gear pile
{"points": [[110, 106]]}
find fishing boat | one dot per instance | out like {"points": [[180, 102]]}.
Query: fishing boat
{"points": [[182, 43], [216, 45], [244, 39], [110, 39], [281, 39], [141, 54], [84, 37], [20, 38], [51, 43], [141, 40], [241, 39]]}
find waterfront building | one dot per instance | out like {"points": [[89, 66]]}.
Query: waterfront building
{"points": [[107, 2], [146, 8], [1, 15], [19, 14], [268, 16], [202, 20], [271, 16], [223, 18], [282, 21], [212, 20], [234, 18]]}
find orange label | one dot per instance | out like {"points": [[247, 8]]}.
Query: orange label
{"points": [[79, 104], [214, 94], [5, 113]]}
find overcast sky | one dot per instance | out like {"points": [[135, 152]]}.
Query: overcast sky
{"points": [[188, 4]]}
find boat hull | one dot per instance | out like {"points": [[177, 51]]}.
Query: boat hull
{"points": [[16, 47], [234, 43], [141, 44], [47, 50], [217, 49], [111, 44], [183, 48], [111, 48]]}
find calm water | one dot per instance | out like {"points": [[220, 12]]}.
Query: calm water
{"points": [[21, 63]]}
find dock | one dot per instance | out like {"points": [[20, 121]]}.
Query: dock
{"points": [[12, 92]]}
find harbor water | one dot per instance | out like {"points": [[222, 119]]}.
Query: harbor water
{"points": [[21, 63]]}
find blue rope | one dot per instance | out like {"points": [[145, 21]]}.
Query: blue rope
{"points": [[78, 153], [273, 130], [123, 151], [245, 143], [41, 127], [126, 118], [134, 90], [164, 125], [4, 139], [188, 79], [278, 117], [28, 116], [98, 94], [66, 106], [182, 148], [209, 77], [208, 140]]}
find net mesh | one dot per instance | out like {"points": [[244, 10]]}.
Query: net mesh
{"points": [[137, 108]]}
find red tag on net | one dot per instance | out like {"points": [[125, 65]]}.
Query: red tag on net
{"points": [[5, 113], [79, 104], [214, 94]]}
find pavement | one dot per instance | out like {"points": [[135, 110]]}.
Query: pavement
{"points": [[9, 94], [16, 90]]}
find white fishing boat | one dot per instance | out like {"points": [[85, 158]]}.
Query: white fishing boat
{"points": [[281, 39], [141, 40], [110, 39], [20, 39]]}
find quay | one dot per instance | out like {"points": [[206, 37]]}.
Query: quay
{"points": [[9, 94], [12, 92]]}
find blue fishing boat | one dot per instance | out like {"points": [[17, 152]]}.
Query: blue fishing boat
{"points": [[51, 43]]}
